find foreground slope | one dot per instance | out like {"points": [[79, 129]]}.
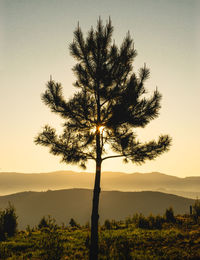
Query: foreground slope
{"points": [[76, 203]]}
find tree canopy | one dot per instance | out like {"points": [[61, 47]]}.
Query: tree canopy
{"points": [[110, 95]]}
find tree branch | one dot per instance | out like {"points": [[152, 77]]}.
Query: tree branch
{"points": [[114, 156]]}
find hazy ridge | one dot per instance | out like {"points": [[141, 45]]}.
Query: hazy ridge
{"points": [[76, 203], [11, 182]]}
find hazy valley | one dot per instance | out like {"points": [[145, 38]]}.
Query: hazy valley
{"points": [[19, 182]]}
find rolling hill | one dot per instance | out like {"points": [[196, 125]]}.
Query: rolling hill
{"points": [[19, 182], [76, 203]]}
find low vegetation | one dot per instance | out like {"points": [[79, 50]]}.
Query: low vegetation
{"points": [[136, 237]]}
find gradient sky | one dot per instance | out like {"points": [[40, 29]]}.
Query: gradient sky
{"points": [[34, 40]]}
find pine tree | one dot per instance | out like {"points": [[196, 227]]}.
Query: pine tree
{"points": [[107, 108]]}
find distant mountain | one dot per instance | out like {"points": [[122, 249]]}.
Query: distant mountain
{"points": [[18, 182], [76, 203]]}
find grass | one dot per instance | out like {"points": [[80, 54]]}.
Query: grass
{"points": [[117, 240]]}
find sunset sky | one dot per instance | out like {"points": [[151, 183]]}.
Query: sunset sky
{"points": [[34, 44]]}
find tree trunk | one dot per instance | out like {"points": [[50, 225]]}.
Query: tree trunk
{"points": [[95, 204]]}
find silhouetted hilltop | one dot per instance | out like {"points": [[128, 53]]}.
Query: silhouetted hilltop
{"points": [[18, 182], [76, 203]]}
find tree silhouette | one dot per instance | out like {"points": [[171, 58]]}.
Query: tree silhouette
{"points": [[109, 105], [8, 222]]}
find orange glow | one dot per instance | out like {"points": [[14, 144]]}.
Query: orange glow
{"points": [[97, 128], [100, 128]]}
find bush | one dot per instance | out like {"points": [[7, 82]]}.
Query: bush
{"points": [[196, 210], [158, 222], [47, 222], [169, 215], [8, 222], [139, 221], [151, 222], [73, 223], [155, 222], [52, 245], [107, 224]]}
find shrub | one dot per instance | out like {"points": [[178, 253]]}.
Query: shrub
{"points": [[73, 223], [143, 222], [155, 222], [51, 244], [158, 222], [169, 215], [47, 222], [8, 222], [107, 224], [196, 210], [150, 222]]}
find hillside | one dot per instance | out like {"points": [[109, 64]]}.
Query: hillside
{"points": [[19, 182], [76, 203]]}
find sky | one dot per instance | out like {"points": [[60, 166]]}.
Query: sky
{"points": [[34, 44]]}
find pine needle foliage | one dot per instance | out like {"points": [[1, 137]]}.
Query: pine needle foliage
{"points": [[110, 95], [109, 105]]}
